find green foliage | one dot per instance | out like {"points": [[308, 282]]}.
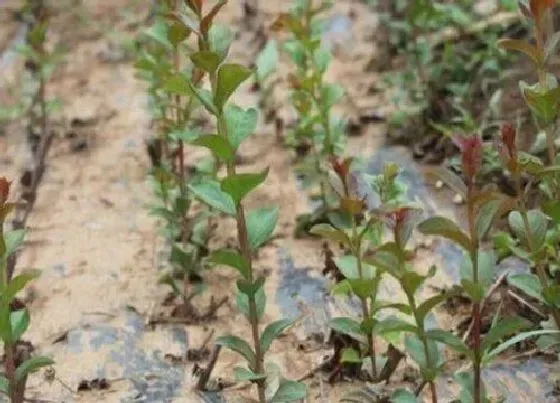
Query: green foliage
{"points": [[174, 73], [176, 93], [13, 323], [442, 77], [317, 129]]}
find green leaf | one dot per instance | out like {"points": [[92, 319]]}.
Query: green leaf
{"points": [[537, 222], [450, 179], [321, 59], [19, 282], [177, 33], [206, 60], [524, 47], [341, 288], [238, 345], [289, 391], [516, 339], [178, 84], [348, 266], [552, 209], [31, 365], [272, 331], [19, 321], [543, 103], [158, 32], [210, 193], [240, 124], [230, 77], [244, 374], [242, 301], [445, 228], [530, 163], [330, 95], [13, 240], [428, 305], [528, 283], [260, 225], [327, 231], [239, 185], [350, 355], [403, 396], [411, 282], [551, 295], [233, 259], [486, 266], [486, 216], [505, 327], [346, 326], [267, 60], [364, 288], [391, 325], [248, 288], [220, 37], [4, 385], [474, 290], [449, 339], [219, 146]]}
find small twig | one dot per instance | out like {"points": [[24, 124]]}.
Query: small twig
{"points": [[499, 281], [205, 375], [310, 374], [207, 340], [420, 388], [522, 301]]}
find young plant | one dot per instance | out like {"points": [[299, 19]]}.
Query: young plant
{"points": [[318, 132], [14, 316], [537, 240], [226, 195], [478, 270], [187, 230], [359, 229]]}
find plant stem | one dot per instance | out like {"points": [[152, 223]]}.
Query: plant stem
{"points": [[357, 251], [477, 387], [245, 250], [422, 336]]}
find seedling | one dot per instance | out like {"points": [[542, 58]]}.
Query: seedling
{"points": [[318, 132], [226, 195], [477, 274], [537, 240], [14, 316], [187, 230]]}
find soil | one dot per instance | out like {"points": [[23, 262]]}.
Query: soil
{"points": [[101, 255]]}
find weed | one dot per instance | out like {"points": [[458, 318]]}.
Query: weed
{"points": [[14, 316]]}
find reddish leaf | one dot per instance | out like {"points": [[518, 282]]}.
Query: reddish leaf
{"points": [[4, 190], [526, 48]]}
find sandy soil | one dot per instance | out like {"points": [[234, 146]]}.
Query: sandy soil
{"points": [[99, 251]]}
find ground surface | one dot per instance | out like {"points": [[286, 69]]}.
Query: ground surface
{"points": [[100, 253]]}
